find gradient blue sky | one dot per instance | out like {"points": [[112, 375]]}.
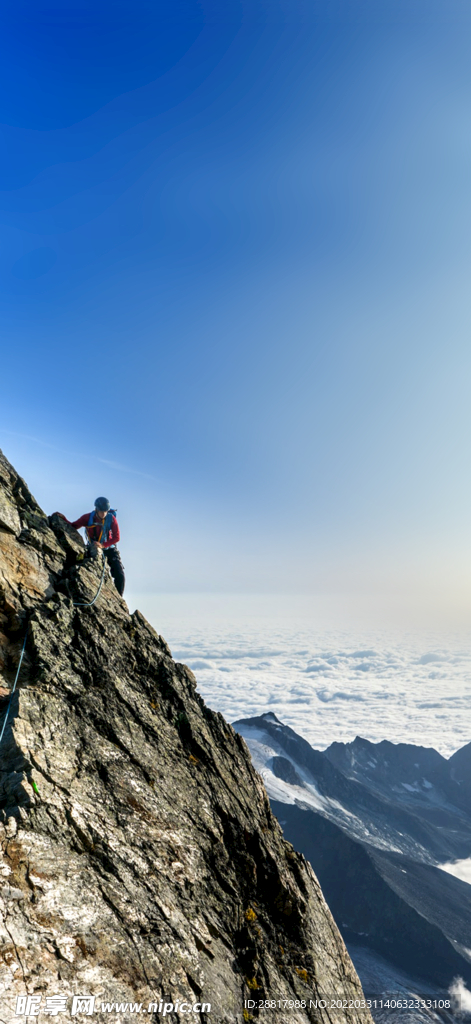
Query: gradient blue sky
{"points": [[235, 261]]}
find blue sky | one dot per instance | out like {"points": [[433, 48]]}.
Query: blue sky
{"points": [[234, 284]]}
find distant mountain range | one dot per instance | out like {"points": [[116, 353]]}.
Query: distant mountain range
{"points": [[387, 829]]}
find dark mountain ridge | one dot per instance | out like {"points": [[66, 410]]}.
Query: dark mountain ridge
{"points": [[376, 822], [418, 776]]}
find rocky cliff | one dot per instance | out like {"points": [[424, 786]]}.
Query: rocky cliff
{"points": [[140, 859]]}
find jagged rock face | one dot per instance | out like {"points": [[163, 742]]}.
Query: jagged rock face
{"points": [[140, 858]]}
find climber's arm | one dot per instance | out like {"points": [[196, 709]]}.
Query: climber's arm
{"points": [[77, 523]]}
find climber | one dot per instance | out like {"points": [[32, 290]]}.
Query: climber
{"points": [[102, 530]]}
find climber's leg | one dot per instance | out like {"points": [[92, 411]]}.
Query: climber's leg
{"points": [[116, 568]]}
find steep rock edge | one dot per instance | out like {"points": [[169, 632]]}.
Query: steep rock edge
{"points": [[140, 857]]}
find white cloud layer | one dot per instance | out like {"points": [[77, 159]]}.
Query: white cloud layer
{"points": [[461, 994], [327, 683], [460, 869]]}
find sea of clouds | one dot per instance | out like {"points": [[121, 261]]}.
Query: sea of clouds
{"points": [[326, 682]]}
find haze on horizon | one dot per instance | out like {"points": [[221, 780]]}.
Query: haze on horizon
{"points": [[235, 287]]}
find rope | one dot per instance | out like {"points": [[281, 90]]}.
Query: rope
{"points": [[14, 686], [77, 604], [88, 604]]}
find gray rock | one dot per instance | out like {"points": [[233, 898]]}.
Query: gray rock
{"points": [[9, 518], [140, 858]]}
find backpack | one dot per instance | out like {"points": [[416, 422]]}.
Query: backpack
{"points": [[107, 524]]}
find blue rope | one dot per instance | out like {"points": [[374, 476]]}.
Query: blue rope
{"points": [[14, 686], [81, 604]]}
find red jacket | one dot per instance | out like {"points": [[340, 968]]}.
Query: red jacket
{"points": [[95, 530]]}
